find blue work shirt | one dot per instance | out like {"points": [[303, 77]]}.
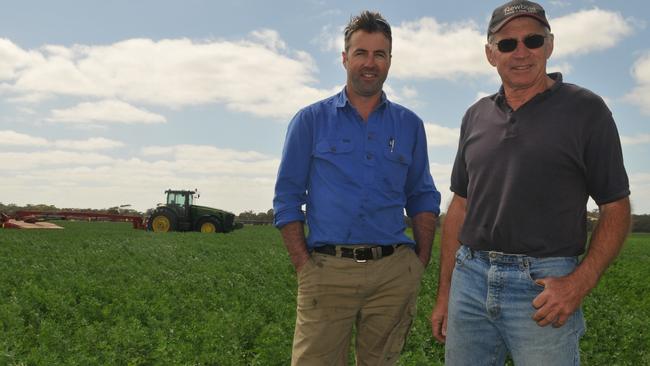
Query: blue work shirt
{"points": [[355, 177]]}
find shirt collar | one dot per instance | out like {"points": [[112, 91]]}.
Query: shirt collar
{"points": [[556, 76], [343, 100]]}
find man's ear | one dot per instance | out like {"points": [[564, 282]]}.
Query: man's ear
{"points": [[489, 54], [549, 48], [344, 59]]}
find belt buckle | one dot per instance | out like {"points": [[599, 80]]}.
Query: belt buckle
{"points": [[354, 256]]}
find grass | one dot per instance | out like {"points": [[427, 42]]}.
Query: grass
{"points": [[105, 294]]}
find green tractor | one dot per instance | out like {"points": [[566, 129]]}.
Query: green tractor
{"points": [[180, 214]]}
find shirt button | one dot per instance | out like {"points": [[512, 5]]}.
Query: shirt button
{"points": [[369, 156]]}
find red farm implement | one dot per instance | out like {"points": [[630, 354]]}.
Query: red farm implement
{"points": [[34, 219]]}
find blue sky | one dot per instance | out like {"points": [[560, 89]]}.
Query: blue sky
{"points": [[105, 103]]}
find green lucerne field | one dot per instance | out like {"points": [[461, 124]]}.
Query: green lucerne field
{"points": [[106, 294]]}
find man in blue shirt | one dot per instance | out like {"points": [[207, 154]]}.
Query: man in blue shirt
{"points": [[356, 160]]}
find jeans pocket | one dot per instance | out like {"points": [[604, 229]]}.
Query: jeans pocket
{"points": [[533, 277], [539, 268], [462, 255]]}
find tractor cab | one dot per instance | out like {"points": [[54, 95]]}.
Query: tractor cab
{"points": [[181, 202], [182, 198]]}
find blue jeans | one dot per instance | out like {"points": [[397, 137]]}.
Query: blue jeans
{"points": [[490, 312]]}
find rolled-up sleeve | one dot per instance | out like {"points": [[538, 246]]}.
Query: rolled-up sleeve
{"points": [[421, 192], [291, 184]]}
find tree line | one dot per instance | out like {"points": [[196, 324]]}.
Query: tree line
{"points": [[640, 223]]}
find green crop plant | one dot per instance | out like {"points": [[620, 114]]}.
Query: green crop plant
{"points": [[106, 294]]}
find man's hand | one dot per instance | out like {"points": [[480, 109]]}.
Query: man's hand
{"points": [[448, 246], [561, 297], [293, 235], [298, 265], [424, 230], [439, 320]]}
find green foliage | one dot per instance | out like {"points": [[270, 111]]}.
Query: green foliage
{"points": [[252, 217], [641, 223], [106, 294]]}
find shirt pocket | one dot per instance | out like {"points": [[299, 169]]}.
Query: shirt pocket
{"points": [[329, 148], [332, 159], [396, 166]]}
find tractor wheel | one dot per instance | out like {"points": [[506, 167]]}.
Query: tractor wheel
{"points": [[162, 222], [209, 226]]}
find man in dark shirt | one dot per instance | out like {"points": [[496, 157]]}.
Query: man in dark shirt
{"points": [[357, 161], [528, 159]]}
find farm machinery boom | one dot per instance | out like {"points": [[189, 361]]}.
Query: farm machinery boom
{"points": [[33, 219]]}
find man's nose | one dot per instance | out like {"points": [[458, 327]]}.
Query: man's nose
{"points": [[369, 61], [521, 49]]}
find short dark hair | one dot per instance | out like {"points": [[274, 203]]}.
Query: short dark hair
{"points": [[370, 22]]}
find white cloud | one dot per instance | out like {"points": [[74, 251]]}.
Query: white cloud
{"points": [[13, 138], [480, 95], [560, 4], [103, 112], [270, 38], [418, 46], [426, 48], [409, 92], [91, 144], [583, 32], [209, 160], [259, 76], [640, 95], [19, 161], [643, 138], [13, 59], [330, 39], [441, 174], [229, 179], [417, 49], [565, 68], [441, 136], [640, 190]]}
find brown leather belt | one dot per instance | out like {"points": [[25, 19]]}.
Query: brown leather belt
{"points": [[360, 254]]}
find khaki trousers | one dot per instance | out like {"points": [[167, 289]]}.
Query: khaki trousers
{"points": [[335, 294]]}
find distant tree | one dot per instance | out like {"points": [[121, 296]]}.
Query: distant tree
{"points": [[641, 223], [247, 215], [41, 207], [7, 208], [258, 218]]}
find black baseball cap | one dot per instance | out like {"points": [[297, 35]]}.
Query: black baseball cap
{"points": [[514, 9]]}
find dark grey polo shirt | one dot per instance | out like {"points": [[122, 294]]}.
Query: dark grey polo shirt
{"points": [[527, 174]]}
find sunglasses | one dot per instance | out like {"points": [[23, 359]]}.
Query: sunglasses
{"points": [[531, 42]]}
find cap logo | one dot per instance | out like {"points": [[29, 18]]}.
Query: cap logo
{"points": [[519, 8]]}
